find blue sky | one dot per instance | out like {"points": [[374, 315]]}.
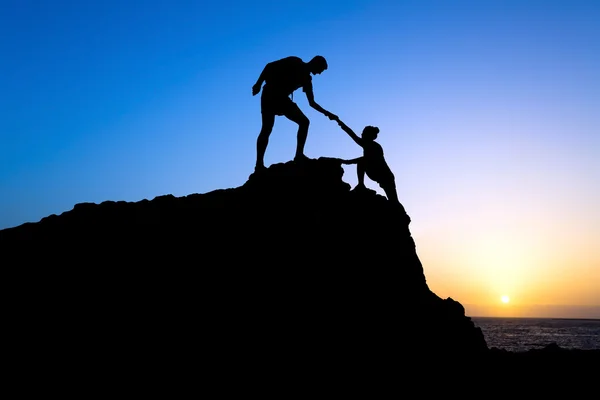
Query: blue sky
{"points": [[488, 113]]}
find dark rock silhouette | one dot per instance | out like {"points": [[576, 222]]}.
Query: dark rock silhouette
{"points": [[290, 262], [290, 269]]}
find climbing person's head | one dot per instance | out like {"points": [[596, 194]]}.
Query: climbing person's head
{"points": [[370, 132], [317, 65]]}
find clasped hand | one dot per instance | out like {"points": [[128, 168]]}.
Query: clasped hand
{"points": [[332, 116]]}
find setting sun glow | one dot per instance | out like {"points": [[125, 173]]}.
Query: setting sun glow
{"points": [[505, 299]]}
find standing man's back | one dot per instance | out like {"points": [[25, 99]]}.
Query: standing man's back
{"points": [[287, 75]]}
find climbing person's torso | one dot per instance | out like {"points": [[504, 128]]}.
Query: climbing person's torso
{"points": [[374, 159], [373, 151], [286, 75]]}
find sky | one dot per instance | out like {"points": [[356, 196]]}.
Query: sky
{"points": [[488, 113]]}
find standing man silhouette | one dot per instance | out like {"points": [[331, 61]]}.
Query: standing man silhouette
{"points": [[282, 78]]}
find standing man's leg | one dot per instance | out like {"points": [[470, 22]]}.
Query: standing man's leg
{"points": [[295, 114], [268, 120]]}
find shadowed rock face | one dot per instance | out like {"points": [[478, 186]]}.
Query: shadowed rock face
{"points": [[291, 265]]}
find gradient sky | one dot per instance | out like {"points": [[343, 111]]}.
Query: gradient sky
{"points": [[489, 114]]}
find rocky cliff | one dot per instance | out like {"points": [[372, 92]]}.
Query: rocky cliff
{"points": [[291, 265]]}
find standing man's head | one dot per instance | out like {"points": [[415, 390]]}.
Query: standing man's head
{"points": [[317, 65]]}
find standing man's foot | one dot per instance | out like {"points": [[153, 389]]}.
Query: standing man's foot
{"points": [[259, 168], [301, 158]]}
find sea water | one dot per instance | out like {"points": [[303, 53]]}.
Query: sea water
{"points": [[522, 334]]}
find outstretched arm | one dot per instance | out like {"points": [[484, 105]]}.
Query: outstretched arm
{"points": [[352, 161], [311, 101], [350, 132]]}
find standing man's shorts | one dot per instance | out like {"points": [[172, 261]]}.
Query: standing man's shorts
{"points": [[277, 104]]}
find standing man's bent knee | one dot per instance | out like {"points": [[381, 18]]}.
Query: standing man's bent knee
{"points": [[304, 122], [296, 115]]}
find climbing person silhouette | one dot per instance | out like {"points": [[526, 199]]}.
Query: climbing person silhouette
{"points": [[372, 162], [281, 79]]}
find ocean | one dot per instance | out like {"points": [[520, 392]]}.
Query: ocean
{"points": [[523, 334]]}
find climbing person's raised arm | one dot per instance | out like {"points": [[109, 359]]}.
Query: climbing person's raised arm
{"points": [[350, 132]]}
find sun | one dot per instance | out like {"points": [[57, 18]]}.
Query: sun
{"points": [[505, 299]]}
